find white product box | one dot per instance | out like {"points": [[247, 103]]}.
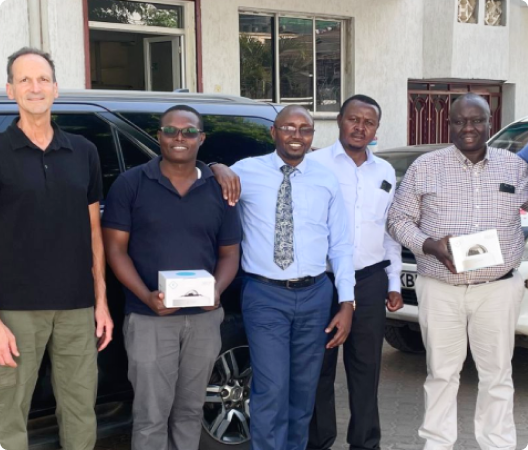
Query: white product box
{"points": [[475, 251], [185, 288]]}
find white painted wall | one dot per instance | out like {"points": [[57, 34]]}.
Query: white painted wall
{"points": [[65, 34], [14, 32], [391, 42], [61, 34], [517, 107]]}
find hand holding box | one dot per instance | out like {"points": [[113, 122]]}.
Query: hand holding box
{"points": [[187, 288]]}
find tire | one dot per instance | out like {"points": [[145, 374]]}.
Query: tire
{"points": [[404, 339], [225, 424]]}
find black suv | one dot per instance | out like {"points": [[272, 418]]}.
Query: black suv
{"points": [[123, 126]]}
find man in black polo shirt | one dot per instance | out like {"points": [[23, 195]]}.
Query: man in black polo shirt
{"points": [[51, 261], [169, 214]]}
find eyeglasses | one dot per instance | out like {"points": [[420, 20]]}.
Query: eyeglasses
{"points": [[464, 123], [290, 131], [188, 133]]}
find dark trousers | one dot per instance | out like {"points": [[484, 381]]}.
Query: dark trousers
{"points": [[362, 360], [285, 331]]}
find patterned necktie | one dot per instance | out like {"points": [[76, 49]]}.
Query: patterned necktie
{"points": [[283, 248]]}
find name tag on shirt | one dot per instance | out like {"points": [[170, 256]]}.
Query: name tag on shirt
{"points": [[386, 186], [508, 188]]}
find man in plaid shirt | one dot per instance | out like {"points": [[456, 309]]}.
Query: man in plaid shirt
{"points": [[463, 189]]}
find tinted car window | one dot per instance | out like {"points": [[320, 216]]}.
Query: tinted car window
{"points": [[132, 154], [400, 161], [229, 138], [513, 138], [5, 121], [97, 131]]}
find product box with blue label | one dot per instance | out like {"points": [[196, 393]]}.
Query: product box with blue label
{"points": [[186, 288]]}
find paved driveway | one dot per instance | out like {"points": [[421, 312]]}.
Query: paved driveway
{"points": [[401, 403]]}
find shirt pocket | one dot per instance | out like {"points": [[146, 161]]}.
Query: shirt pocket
{"points": [[316, 204], [506, 208], [376, 205]]}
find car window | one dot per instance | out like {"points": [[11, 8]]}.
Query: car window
{"points": [[513, 138], [5, 121], [132, 154], [228, 138], [400, 161], [99, 132]]}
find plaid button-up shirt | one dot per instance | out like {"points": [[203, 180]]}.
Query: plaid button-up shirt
{"points": [[443, 193]]}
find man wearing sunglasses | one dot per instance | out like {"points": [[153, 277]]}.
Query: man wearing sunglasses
{"points": [[293, 216], [169, 214]]}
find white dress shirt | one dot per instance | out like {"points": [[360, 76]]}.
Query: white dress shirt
{"points": [[367, 206], [320, 223]]}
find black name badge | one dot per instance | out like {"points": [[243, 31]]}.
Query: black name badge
{"points": [[386, 186], [503, 187]]}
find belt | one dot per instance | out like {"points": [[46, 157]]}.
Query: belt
{"points": [[369, 270], [504, 277], [295, 283]]}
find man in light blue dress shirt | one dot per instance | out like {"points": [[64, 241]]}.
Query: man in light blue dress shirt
{"points": [[293, 218]]}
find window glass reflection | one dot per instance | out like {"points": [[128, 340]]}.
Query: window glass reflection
{"points": [[296, 61], [328, 57], [135, 13], [256, 57]]}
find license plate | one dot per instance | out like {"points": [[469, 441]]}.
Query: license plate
{"points": [[408, 280]]}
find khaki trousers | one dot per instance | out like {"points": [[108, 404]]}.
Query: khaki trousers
{"points": [[487, 315], [70, 339]]}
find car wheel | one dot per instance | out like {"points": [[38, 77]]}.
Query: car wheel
{"points": [[404, 339], [225, 423]]}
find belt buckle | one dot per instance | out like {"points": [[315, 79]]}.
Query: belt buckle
{"points": [[293, 280]]}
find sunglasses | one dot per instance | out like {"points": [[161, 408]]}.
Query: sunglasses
{"points": [[188, 133], [290, 131]]}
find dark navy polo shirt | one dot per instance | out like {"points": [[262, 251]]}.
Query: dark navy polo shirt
{"points": [[167, 231], [45, 233]]}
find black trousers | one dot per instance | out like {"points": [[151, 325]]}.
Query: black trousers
{"points": [[362, 360]]}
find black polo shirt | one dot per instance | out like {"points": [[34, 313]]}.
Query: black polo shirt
{"points": [[45, 234], [167, 231]]}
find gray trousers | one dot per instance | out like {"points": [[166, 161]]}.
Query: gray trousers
{"points": [[170, 361]]}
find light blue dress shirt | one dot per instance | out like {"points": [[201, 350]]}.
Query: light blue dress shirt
{"points": [[320, 222], [367, 206]]}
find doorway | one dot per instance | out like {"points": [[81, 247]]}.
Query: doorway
{"points": [[136, 61], [163, 64]]}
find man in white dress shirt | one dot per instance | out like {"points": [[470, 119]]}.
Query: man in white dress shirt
{"points": [[368, 184]]}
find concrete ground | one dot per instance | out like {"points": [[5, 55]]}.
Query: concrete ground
{"points": [[401, 403]]}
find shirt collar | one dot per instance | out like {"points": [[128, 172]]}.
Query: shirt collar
{"points": [[337, 150], [460, 156], [278, 163], [153, 171], [19, 140]]}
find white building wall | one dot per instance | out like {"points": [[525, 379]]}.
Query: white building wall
{"points": [[55, 26], [14, 32], [515, 102], [387, 50], [390, 42], [63, 32]]}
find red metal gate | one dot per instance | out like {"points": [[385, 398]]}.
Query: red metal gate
{"points": [[429, 103]]}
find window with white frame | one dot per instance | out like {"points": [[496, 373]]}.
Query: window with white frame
{"points": [[292, 60]]}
